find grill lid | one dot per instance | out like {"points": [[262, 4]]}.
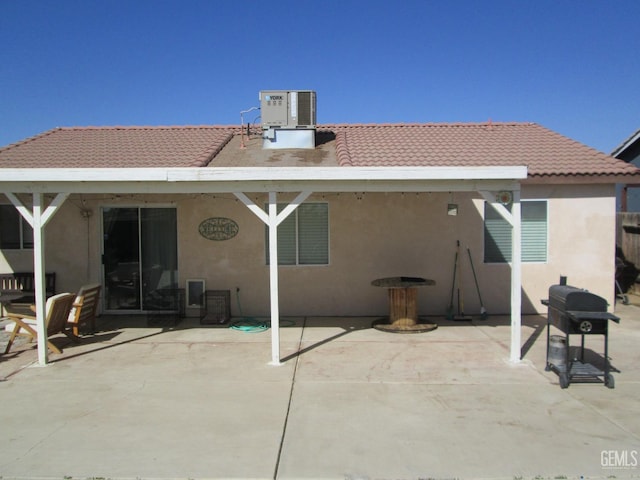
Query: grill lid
{"points": [[566, 297]]}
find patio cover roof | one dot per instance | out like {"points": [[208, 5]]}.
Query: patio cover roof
{"points": [[237, 180]]}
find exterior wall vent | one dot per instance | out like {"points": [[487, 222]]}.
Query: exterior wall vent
{"points": [[288, 118]]}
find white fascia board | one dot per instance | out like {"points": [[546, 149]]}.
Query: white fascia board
{"points": [[221, 174], [347, 173], [83, 174], [260, 179]]}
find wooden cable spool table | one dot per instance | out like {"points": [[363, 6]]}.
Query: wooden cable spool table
{"points": [[403, 307]]}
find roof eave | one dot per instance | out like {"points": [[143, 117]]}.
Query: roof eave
{"points": [[574, 179], [628, 143], [259, 179]]}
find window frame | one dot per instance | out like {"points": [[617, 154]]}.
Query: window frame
{"points": [[297, 240], [523, 221], [25, 242]]}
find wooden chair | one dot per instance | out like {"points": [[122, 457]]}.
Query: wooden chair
{"points": [[83, 311], [57, 312]]}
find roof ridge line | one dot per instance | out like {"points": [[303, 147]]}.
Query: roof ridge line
{"points": [[148, 127], [427, 124]]}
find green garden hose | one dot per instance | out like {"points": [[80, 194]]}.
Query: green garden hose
{"points": [[250, 324]]}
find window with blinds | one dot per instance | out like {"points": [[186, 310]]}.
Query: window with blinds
{"points": [[303, 237], [497, 233]]}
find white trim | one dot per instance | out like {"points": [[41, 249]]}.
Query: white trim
{"points": [[260, 179], [234, 174]]}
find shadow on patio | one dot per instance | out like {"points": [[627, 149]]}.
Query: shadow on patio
{"points": [[299, 336]]}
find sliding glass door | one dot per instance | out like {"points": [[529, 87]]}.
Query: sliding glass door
{"points": [[139, 256]]}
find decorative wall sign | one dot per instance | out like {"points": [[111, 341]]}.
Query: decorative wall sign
{"points": [[218, 228]]}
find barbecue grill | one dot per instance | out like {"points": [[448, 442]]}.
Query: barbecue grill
{"points": [[575, 311]]}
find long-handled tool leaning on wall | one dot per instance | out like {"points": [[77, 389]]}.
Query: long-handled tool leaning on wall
{"points": [[457, 288], [483, 311], [453, 284]]}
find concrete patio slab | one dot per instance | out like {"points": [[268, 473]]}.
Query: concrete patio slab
{"points": [[348, 402], [444, 431]]}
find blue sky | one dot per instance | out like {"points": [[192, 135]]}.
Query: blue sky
{"points": [[572, 66]]}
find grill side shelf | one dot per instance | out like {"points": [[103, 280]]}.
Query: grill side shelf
{"points": [[578, 316]]}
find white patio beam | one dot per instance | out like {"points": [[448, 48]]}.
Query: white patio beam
{"points": [[261, 179]]}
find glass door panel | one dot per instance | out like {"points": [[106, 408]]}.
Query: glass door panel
{"points": [[140, 257], [159, 255], [121, 258]]}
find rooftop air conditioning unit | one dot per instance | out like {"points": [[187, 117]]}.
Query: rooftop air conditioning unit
{"points": [[288, 118], [288, 108]]}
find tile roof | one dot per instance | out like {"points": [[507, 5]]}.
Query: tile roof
{"points": [[117, 147], [544, 152], [547, 154]]}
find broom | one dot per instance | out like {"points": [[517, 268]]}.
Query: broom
{"points": [[453, 285], [461, 316], [483, 311]]}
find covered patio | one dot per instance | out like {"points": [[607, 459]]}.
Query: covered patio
{"points": [[489, 182]]}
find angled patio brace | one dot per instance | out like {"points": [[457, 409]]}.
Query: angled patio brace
{"points": [[273, 219], [514, 219], [38, 218]]}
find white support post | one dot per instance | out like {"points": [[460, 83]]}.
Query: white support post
{"points": [[514, 219], [37, 219], [273, 219], [516, 280], [39, 277], [273, 279]]}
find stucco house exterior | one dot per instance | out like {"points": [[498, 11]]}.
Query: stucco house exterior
{"points": [[141, 208]]}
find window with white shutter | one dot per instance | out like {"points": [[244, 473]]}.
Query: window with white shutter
{"points": [[303, 237], [497, 233]]}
